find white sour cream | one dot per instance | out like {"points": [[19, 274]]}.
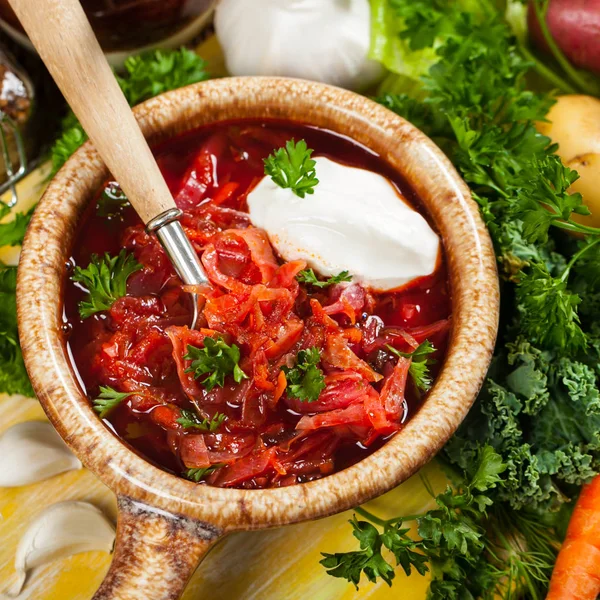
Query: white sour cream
{"points": [[355, 221]]}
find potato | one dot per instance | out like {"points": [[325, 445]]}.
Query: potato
{"points": [[575, 27], [588, 185], [574, 123]]}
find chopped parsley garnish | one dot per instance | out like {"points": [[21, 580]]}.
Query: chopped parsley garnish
{"points": [[419, 366], [191, 420], [292, 167], [105, 280], [308, 276], [305, 380], [198, 474], [213, 362], [108, 400]]}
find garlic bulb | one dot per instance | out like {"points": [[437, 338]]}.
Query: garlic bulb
{"points": [[59, 531], [322, 40], [32, 451]]}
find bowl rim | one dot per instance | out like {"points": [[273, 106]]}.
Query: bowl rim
{"points": [[472, 273]]}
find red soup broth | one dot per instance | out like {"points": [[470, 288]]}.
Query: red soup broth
{"points": [[266, 438]]}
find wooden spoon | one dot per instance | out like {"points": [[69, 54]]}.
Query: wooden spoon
{"points": [[63, 36]]}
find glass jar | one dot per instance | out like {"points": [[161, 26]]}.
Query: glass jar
{"points": [[128, 26]]}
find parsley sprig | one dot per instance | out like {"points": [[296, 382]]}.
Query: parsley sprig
{"points": [[213, 362], [420, 363], [305, 380], [308, 277], [292, 167], [108, 400], [105, 280], [452, 537], [190, 420]]}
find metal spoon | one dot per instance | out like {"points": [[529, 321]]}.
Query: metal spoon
{"points": [[63, 36]]}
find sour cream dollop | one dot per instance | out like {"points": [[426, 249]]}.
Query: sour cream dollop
{"points": [[355, 221]]}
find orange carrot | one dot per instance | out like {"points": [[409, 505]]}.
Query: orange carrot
{"points": [[576, 574]]}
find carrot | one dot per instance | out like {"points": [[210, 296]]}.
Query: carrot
{"points": [[576, 574]]}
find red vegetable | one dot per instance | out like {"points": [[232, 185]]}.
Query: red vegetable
{"points": [[575, 27], [268, 436]]}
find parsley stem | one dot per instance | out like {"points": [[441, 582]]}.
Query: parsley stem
{"points": [[383, 522], [576, 227], [576, 257], [547, 73], [369, 515]]}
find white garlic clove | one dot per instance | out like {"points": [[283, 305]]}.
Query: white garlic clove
{"points": [[59, 531], [321, 40], [32, 451]]}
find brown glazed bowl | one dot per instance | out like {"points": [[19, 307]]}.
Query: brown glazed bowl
{"points": [[167, 524]]}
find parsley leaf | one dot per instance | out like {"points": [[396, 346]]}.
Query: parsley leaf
{"points": [[12, 232], [70, 140], [191, 420], [367, 560], [305, 380], [549, 311], [215, 360], [198, 474], [108, 400], [308, 276], [419, 366], [106, 281], [292, 167], [13, 376], [158, 71]]}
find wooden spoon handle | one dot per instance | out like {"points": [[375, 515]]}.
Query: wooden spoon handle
{"points": [[62, 35]]}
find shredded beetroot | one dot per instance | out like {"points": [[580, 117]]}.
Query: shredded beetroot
{"points": [[267, 438]]}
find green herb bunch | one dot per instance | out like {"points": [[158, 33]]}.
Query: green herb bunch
{"points": [[539, 410]]}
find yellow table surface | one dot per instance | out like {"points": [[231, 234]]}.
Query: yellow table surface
{"points": [[278, 564]]}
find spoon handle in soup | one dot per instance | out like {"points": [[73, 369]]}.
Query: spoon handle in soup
{"points": [[63, 36]]}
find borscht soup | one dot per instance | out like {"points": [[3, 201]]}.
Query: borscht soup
{"points": [[322, 330]]}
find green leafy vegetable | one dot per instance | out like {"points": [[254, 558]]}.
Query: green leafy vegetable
{"points": [[108, 400], [198, 474], [191, 420], [420, 363], [12, 232], [13, 376], [70, 140], [213, 362], [105, 280], [292, 167], [153, 73], [305, 380], [308, 277]]}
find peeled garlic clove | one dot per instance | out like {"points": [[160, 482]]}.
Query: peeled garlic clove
{"points": [[31, 452], [59, 531]]}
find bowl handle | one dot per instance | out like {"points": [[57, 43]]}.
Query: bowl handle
{"points": [[156, 553]]}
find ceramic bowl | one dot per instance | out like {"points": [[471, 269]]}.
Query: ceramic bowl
{"points": [[166, 524]]}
